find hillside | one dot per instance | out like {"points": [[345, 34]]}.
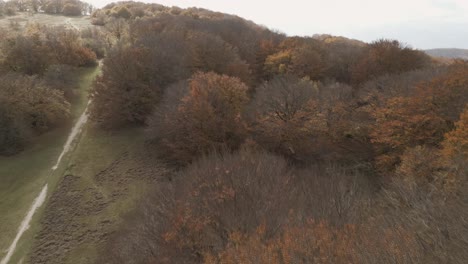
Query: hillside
{"points": [[21, 19], [201, 137], [448, 53]]}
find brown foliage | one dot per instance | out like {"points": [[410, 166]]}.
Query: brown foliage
{"points": [[286, 117], [455, 149], [119, 94], [319, 242], [405, 122], [27, 107], [448, 92], [201, 116], [214, 197], [67, 48], [39, 47], [212, 53], [420, 118], [419, 165], [301, 57], [27, 54], [387, 57], [71, 9]]}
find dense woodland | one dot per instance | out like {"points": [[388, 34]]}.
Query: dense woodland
{"points": [[53, 7], [284, 149]]}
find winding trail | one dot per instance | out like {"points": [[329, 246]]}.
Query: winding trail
{"points": [[40, 199]]}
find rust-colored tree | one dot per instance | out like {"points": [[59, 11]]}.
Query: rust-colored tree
{"points": [[286, 118], [455, 150], [200, 116], [404, 122], [387, 57]]}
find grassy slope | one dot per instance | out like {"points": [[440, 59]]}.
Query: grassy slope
{"points": [[108, 172], [23, 175], [23, 18]]}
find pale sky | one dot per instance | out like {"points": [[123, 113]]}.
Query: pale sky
{"points": [[422, 24]]}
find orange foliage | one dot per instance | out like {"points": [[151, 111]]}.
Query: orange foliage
{"points": [[404, 122], [387, 57], [419, 165], [456, 141], [448, 93], [317, 242], [455, 151], [287, 117], [205, 117], [303, 57]]}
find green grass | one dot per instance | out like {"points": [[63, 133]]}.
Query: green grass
{"points": [[110, 174], [96, 152], [23, 175]]}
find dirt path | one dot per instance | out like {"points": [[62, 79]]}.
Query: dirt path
{"points": [[43, 194], [25, 223], [68, 22]]}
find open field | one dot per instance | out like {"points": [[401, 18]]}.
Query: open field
{"points": [[24, 175], [22, 19]]}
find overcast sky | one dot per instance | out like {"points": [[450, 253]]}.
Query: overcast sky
{"points": [[422, 24]]}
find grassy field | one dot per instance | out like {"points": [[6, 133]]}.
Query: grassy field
{"points": [[22, 19], [23, 175], [107, 174]]}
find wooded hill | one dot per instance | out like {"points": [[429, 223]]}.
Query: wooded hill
{"points": [[275, 149]]}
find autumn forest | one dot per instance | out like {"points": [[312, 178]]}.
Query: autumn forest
{"points": [[269, 148]]}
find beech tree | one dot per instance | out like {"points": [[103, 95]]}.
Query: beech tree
{"points": [[200, 116], [387, 57], [286, 118], [27, 54], [405, 122], [123, 94], [27, 108], [211, 53], [455, 150], [66, 47], [300, 57], [135, 76], [39, 47]]}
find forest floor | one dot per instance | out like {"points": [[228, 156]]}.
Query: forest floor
{"points": [[24, 175]]}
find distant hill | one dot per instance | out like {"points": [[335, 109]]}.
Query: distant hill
{"points": [[449, 53]]}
